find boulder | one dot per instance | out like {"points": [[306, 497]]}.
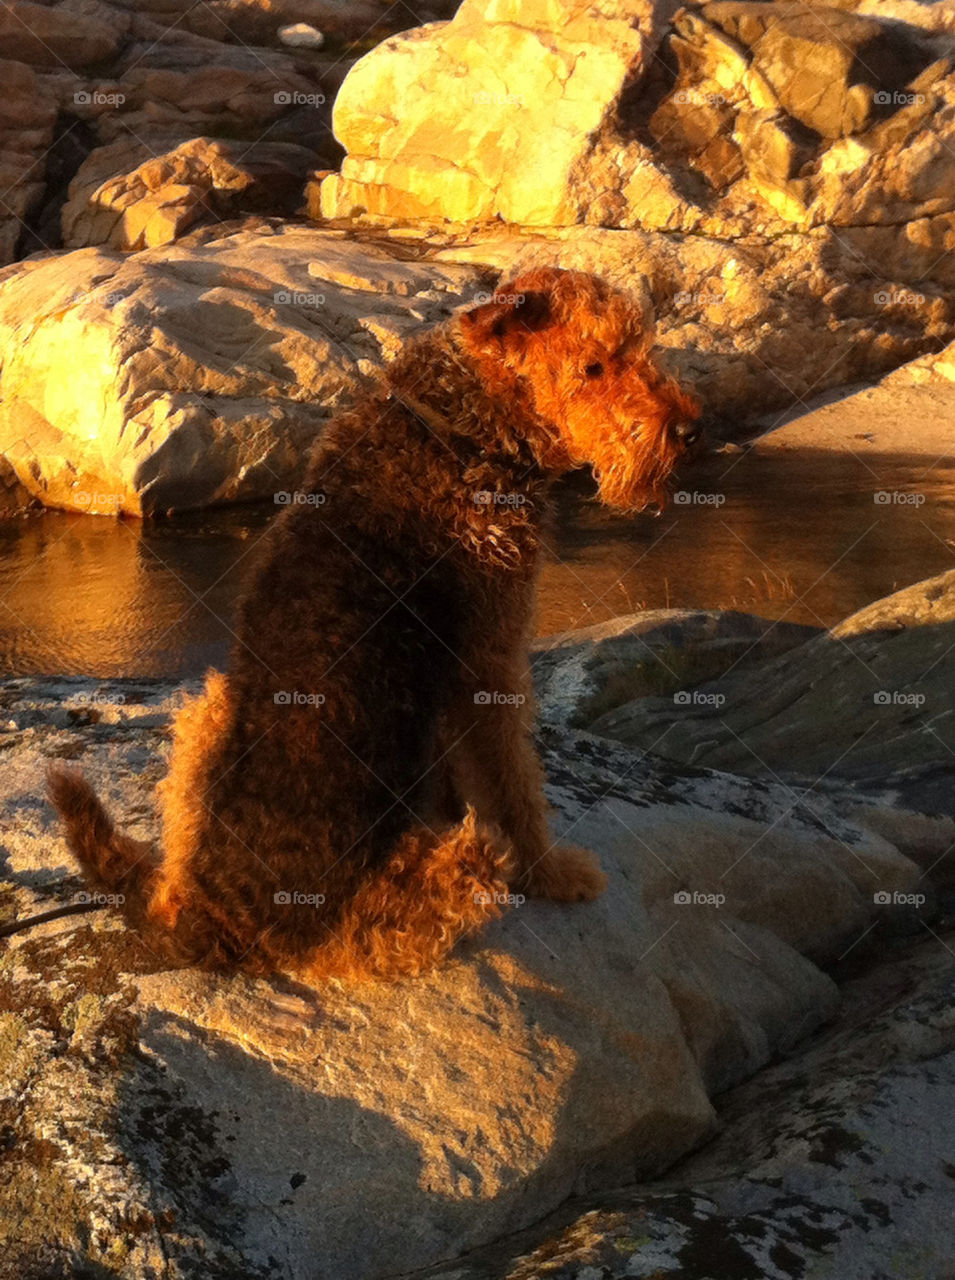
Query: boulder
{"points": [[867, 703], [195, 375], [176, 430], [27, 120], [583, 673], [166, 1122], [124, 84], [61, 35], [485, 117], [834, 1163], [200, 180], [782, 115], [14, 498]]}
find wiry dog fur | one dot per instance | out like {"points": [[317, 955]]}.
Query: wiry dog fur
{"points": [[405, 790]]}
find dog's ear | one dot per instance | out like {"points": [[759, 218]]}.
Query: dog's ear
{"points": [[506, 312]]}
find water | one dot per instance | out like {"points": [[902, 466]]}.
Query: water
{"points": [[798, 535]]}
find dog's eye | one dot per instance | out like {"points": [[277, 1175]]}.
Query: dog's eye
{"points": [[594, 370]]}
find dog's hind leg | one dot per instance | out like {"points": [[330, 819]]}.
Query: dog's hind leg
{"points": [[407, 914]]}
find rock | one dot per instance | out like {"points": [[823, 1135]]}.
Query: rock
{"points": [[740, 327], [448, 122], [584, 673], [27, 119], [834, 1163], [867, 703], [164, 1122], [57, 35], [780, 116], [764, 207], [14, 498], [195, 375], [201, 180], [130, 83], [740, 321], [825, 66], [260, 22], [907, 413], [300, 34]]}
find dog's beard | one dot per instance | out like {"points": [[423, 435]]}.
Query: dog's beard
{"points": [[630, 482]]}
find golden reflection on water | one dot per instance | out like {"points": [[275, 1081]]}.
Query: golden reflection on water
{"points": [[796, 535]]}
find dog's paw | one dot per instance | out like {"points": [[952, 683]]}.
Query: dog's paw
{"points": [[567, 873]]}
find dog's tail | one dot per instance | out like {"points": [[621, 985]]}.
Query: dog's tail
{"points": [[113, 864]]}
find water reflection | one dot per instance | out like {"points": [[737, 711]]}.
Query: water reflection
{"points": [[797, 535]]}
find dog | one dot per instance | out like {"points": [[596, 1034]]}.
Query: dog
{"points": [[360, 789]]}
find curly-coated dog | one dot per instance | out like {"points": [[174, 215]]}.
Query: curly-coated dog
{"points": [[360, 788]]}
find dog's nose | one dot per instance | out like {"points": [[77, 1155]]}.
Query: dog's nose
{"points": [[689, 432]]}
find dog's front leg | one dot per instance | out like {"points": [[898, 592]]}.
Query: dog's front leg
{"points": [[497, 770]]}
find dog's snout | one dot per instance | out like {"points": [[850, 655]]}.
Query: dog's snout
{"points": [[688, 432]]}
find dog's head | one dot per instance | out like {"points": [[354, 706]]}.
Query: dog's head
{"points": [[580, 352]]}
